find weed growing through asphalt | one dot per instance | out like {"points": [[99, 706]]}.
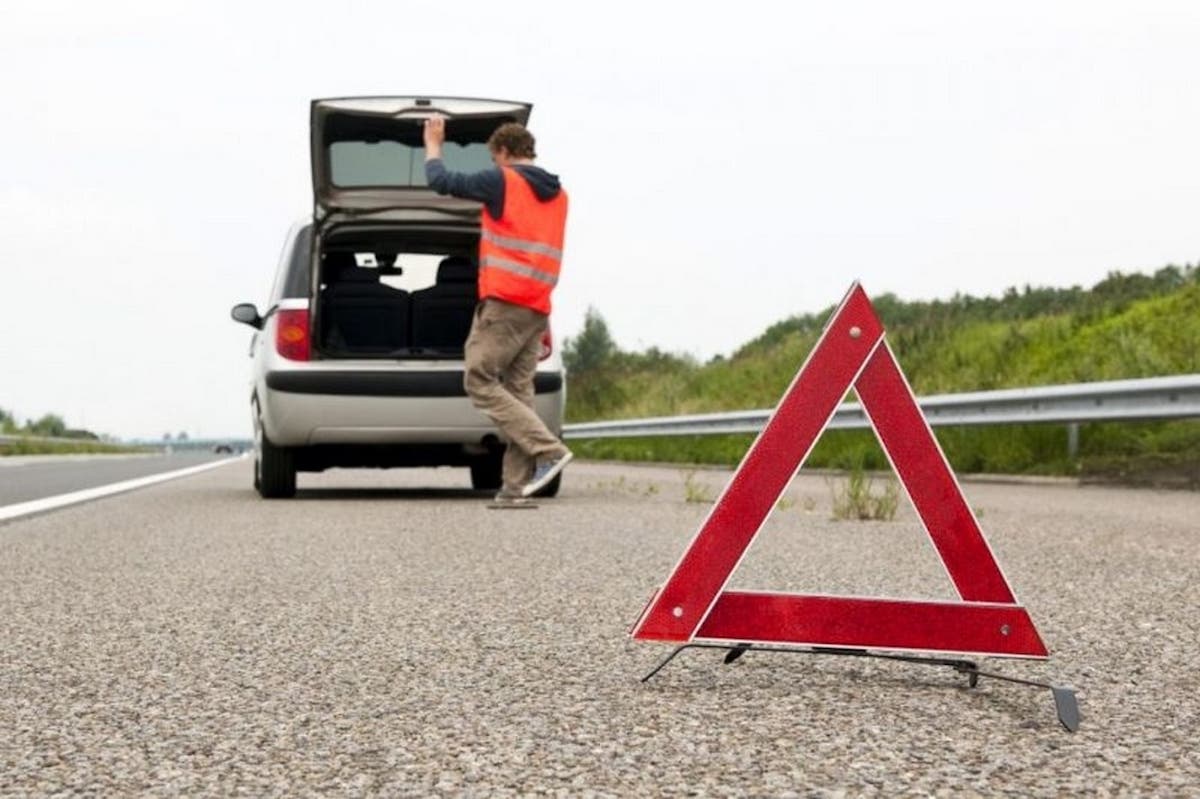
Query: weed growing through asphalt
{"points": [[855, 499], [694, 490], [624, 486]]}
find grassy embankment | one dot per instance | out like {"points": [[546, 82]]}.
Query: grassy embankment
{"points": [[50, 435], [26, 446], [1126, 326]]}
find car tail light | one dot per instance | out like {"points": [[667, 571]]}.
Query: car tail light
{"points": [[547, 345], [291, 333]]}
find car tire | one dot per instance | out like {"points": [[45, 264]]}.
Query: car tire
{"points": [[274, 469], [486, 472]]}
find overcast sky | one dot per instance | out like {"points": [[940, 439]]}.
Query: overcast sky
{"points": [[730, 164]]}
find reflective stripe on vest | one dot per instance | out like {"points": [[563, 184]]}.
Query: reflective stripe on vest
{"points": [[520, 253], [497, 262], [534, 247]]}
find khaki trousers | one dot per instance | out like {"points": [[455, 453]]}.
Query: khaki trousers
{"points": [[501, 359]]}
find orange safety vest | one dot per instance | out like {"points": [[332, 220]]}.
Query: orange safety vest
{"points": [[521, 252]]}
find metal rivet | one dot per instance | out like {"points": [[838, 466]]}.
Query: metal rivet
{"points": [[677, 612], [1005, 629], [855, 331]]}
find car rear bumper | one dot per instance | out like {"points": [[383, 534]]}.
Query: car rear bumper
{"points": [[311, 408]]}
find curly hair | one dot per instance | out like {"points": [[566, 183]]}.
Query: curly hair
{"points": [[512, 136]]}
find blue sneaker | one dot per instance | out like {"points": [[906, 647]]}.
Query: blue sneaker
{"points": [[546, 471]]}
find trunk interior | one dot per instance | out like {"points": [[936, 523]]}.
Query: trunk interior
{"points": [[395, 293]]}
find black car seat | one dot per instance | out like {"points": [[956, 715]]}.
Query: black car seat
{"points": [[442, 313], [359, 313]]}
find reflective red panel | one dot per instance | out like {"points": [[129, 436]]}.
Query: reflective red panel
{"points": [[873, 624]]}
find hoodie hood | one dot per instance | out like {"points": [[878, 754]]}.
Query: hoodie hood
{"points": [[544, 184]]}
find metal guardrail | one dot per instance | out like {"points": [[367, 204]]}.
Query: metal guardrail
{"points": [[1153, 398]]}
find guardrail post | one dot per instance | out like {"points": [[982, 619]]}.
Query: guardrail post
{"points": [[1073, 440]]}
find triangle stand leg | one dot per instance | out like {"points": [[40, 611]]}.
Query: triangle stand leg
{"points": [[675, 652], [1065, 702]]}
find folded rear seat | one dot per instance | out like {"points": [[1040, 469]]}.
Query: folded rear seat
{"points": [[360, 314], [442, 313]]}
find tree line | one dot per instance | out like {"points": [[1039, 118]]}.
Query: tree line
{"points": [[50, 425], [594, 348]]}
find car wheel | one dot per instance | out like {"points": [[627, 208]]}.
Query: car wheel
{"points": [[274, 468], [485, 472]]}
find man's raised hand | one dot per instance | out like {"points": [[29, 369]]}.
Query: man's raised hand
{"points": [[435, 134]]}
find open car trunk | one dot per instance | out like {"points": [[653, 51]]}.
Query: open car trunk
{"points": [[378, 224], [368, 153], [396, 292]]}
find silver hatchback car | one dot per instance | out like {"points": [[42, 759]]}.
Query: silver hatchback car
{"points": [[358, 356]]}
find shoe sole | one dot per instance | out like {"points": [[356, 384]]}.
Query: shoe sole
{"points": [[512, 505], [532, 488]]}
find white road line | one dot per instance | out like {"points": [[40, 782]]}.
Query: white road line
{"points": [[50, 503]]}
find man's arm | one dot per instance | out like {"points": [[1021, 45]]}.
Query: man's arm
{"points": [[486, 187]]}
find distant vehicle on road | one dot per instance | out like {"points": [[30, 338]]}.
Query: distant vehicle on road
{"points": [[358, 356], [222, 449]]}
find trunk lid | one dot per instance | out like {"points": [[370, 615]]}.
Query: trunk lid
{"points": [[368, 154]]}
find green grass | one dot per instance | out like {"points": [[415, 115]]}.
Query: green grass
{"points": [[1127, 326], [855, 498], [33, 447]]}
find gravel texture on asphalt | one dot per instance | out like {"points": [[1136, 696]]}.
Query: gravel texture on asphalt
{"points": [[385, 633]]}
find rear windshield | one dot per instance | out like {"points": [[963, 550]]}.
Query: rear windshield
{"points": [[393, 163]]}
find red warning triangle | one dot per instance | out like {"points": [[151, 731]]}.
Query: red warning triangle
{"points": [[693, 604]]}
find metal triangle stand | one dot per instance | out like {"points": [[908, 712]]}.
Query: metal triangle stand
{"points": [[1065, 702]]}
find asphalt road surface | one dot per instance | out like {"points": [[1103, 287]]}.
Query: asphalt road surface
{"points": [[385, 633], [24, 478]]}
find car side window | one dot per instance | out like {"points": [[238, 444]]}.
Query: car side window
{"points": [[296, 282]]}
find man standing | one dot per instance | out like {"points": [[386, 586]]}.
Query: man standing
{"points": [[520, 252]]}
